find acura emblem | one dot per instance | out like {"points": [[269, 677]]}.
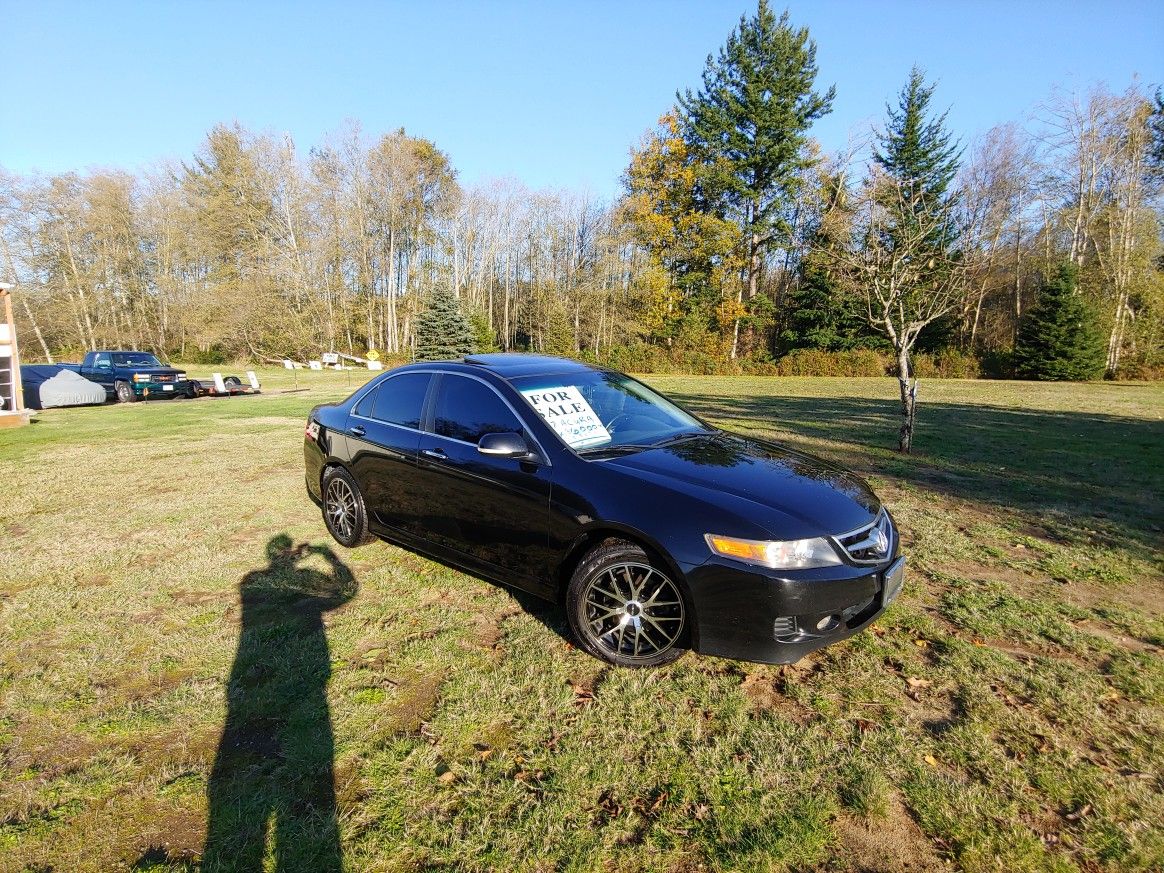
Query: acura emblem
{"points": [[882, 541]]}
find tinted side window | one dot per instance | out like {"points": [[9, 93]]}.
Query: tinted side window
{"points": [[400, 399], [364, 407], [467, 410], [102, 360]]}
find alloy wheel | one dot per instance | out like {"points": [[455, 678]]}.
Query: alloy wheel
{"points": [[341, 508], [633, 611]]}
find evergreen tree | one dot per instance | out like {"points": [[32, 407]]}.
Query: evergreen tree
{"points": [[1156, 132], [442, 331], [907, 262], [919, 153], [748, 130], [484, 337], [916, 150], [1058, 340], [823, 315]]}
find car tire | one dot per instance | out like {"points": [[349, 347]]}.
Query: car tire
{"points": [[625, 609], [343, 509], [124, 392]]}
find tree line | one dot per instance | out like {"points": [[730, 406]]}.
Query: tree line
{"points": [[736, 240]]}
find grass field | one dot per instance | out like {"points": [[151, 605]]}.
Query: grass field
{"points": [[183, 658]]}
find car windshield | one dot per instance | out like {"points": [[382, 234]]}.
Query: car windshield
{"points": [[136, 359], [602, 412]]}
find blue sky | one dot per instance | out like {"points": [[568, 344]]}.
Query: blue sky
{"points": [[554, 94]]}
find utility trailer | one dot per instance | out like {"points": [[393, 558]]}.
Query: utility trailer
{"points": [[219, 386]]}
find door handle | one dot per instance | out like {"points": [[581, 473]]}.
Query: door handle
{"points": [[356, 431], [439, 454]]}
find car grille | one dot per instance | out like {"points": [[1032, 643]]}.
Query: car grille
{"points": [[870, 544], [163, 378]]}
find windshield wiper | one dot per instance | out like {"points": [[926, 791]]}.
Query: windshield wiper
{"points": [[627, 448]]}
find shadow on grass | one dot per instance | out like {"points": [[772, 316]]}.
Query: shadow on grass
{"points": [[274, 765], [1077, 465]]}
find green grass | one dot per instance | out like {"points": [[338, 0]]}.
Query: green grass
{"points": [[173, 676]]}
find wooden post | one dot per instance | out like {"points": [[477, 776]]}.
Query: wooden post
{"points": [[17, 415]]}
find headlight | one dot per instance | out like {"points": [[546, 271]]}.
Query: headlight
{"points": [[779, 554], [181, 377], [141, 377]]}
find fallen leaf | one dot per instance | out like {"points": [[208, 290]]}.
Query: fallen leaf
{"points": [[1082, 812], [914, 682], [448, 777], [931, 760], [921, 644]]}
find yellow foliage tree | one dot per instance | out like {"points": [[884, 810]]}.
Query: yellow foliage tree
{"points": [[695, 264]]}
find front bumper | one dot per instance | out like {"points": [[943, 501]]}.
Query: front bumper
{"points": [[159, 389], [778, 617]]}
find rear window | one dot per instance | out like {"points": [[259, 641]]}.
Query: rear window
{"points": [[398, 400]]}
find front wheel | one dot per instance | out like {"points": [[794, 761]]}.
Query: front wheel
{"points": [[344, 512], [124, 392], [624, 609]]}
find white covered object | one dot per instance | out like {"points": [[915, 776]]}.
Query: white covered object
{"points": [[67, 388]]}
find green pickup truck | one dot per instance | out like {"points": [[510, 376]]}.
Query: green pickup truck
{"points": [[128, 376]]}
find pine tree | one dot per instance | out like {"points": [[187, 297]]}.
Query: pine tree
{"points": [[823, 315], [1058, 340], [748, 130], [442, 331], [921, 155], [906, 260], [484, 337], [916, 150]]}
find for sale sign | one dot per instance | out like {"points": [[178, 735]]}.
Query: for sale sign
{"points": [[567, 412]]}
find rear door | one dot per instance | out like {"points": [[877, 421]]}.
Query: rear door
{"points": [[383, 434], [495, 510]]}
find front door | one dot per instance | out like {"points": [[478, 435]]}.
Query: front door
{"points": [[495, 510]]}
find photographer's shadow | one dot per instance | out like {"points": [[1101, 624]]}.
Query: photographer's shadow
{"points": [[272, 780]]}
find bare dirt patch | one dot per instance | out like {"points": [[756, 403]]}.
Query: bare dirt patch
{"points": [[766, 689], [1147, 594], [1095, 628], [180, 747], [44, 747], [175, 836], [894, 844]]}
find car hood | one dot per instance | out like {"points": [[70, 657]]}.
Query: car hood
{"points": [[791, 494], [153, 371]]}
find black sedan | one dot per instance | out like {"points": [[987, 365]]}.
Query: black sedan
{"points": [[659, 532]]}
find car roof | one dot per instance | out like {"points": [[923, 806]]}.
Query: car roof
{"points": [[511, 365]]}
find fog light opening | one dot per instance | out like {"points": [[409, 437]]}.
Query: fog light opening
{"points": [[828, 623]]}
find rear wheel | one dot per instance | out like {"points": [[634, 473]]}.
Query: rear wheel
{"points": [[344, 512], [124, 392], [625, 609]]}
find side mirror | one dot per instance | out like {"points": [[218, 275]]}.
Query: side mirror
{"points": [[503, 445]]}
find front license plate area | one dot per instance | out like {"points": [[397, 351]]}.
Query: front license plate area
{"points": [[167, 387], [894, 577]]}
